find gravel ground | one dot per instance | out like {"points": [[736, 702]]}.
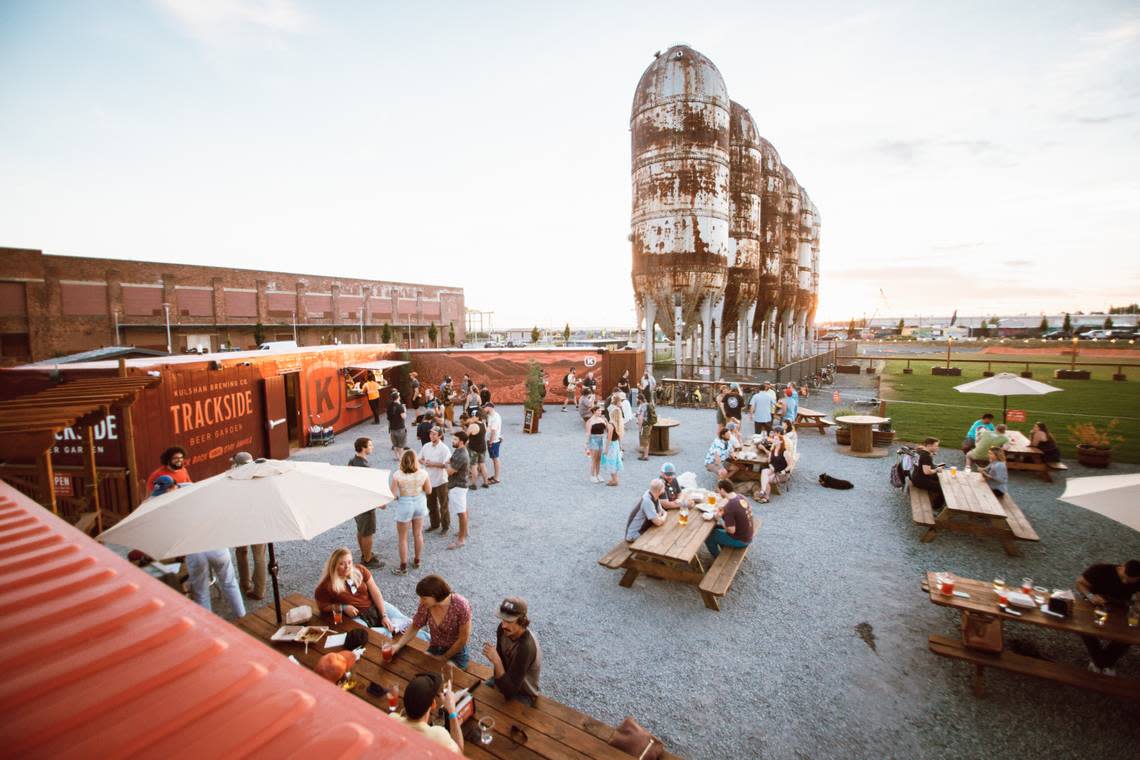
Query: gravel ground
{"points": [[782, 670]]}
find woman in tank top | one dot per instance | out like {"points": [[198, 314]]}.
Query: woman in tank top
{"points": [[410, 486], [596, 427], [611, 459]]}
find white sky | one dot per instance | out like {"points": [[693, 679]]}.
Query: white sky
{"points": [[962, 157]]}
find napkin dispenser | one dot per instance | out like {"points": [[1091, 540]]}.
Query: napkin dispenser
{"points": [[1061, 602], [299, 615]]}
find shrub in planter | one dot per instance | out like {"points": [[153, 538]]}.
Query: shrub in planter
{"points": [[535, 393], [1094, 444]]}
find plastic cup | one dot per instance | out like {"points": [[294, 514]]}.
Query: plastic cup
{"points": [[337, 616], [387, 652], [1003, 597], [947, 585]]}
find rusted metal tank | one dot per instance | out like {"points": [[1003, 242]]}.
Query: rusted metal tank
{"points": [[743, 285], [816, 224], [789, 265], [680, 223], [771, 243]]}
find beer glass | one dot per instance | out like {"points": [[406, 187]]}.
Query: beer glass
{"points": [[485, 725], [683, 515], [1100, 615], [999, 583]]}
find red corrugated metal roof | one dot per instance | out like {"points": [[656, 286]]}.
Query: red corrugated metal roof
{"points": [[101, 660]]}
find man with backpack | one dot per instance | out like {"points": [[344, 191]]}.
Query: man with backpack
{"points": [[569, 382]]}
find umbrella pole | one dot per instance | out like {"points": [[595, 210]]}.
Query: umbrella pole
{"points": [[1004, 404], [276, 588]]}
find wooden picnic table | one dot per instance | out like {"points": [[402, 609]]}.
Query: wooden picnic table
{"points": [[669, 552], [552, 729], [861, 435], [659, 437], [980, 612], [810, 417], [751, 468], [971, 507], [1021, 456]]}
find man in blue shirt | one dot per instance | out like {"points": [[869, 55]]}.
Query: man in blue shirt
{"points": [[760, 407], [791, 403], [986, 422]]}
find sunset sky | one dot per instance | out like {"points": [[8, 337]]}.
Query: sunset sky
{"points": [[972, 156]]}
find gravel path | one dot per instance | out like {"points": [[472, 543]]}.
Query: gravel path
{"points": [[787, 667]]}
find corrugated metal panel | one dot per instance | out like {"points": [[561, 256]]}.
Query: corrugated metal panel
{"points": [[133, 668], [13, 300], [83, 300], [141, 301], [240, 303]]}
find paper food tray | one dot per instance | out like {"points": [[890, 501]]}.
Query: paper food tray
{"points": [[301, 633]]}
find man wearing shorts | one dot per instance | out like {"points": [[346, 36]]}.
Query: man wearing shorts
{"points": [[494, 437], [397, 425], [571, 381], [365, 521], [457, 485], [477, 449]]}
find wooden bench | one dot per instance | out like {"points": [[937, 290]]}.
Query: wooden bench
{"points": [[920, 507], [1017, 520], [1124, 688], [718, 580], [615, 558], [811, 417]]}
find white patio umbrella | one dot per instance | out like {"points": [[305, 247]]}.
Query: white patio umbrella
{"points": [[1006, 384], [1117, 497], [258, 503]]}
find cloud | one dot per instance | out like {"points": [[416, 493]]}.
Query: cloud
{"points": [[956, 246], [903, 151], [214, 21], [912, 151], [1107, 119], [1018, 263]]}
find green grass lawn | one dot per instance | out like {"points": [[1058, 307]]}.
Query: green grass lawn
{"points": [[925, 405]]}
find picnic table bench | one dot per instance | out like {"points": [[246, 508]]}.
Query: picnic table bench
{"points": [[810, 417], [971, 507], [550, 729], [980, 610], [669, 552], [1021, 456]]}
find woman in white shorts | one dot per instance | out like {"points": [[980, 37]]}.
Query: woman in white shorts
{"points": [[410, 486]]}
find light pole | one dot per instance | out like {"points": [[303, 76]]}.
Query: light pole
{"points": [[166, 311], [294, 318], [115, 316]]}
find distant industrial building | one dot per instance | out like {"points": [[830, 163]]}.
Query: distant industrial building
{"points": [[56, 305]]}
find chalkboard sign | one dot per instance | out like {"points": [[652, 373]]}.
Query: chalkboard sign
{"points": [[530, 422]]}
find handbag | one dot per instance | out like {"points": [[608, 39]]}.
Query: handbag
{"points": [[633, 739]]}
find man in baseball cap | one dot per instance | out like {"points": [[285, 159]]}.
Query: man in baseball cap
{"points": [[516, 655], [422, 696], [671, 498]]}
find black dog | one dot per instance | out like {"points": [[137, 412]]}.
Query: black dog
{"points": [[827, 481]]}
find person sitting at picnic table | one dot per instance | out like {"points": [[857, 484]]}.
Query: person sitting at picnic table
{"points": [[925, 474], [987, 439], [422, 697], [647, 513], [996, 473], [733, 428], [717, 457], [1112, 585], [986, 422], [791, 442], [1042, 439], [447, 616], [671, 497], [350, 588], [736, 516], [515, 655]]}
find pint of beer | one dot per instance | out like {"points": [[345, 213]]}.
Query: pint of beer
{"points": [[683, 516]]}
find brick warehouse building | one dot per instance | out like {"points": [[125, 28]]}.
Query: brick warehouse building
{"points": [[56, 305]]}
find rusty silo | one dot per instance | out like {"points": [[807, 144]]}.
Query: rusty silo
{"points": [[789, 266], [804, 293], [679, 128], [743, 284], [816, 223], [771, 243]]}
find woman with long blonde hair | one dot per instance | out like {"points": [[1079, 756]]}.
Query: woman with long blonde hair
{"points": [[349, 589], [410, 486]]}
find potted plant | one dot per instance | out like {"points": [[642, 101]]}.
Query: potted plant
{"points": [[535, 393], [842, 432], [1094, 444]]}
